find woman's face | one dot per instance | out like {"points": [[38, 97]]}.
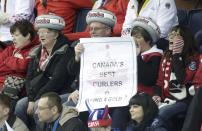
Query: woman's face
{"points": [[141, 44], [47, 37], [171, 37], [137, 113], [19, 40]]}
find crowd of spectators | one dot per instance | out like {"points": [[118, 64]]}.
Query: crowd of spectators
{"points": [[40, 66]]}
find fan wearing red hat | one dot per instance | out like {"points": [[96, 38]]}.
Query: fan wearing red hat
{"points": [[99, 119]]}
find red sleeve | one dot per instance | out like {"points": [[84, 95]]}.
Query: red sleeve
{"points": [[17, 64], [197, 80], [5, 53]]}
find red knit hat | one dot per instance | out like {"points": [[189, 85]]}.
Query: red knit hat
{"points": [[99, 117]]}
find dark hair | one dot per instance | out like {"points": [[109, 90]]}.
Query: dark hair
{"points": [[53, 100], [149, 107], [5, 100], [190, 49], [144, 34], [25, 27]]}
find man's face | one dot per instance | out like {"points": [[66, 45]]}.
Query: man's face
{"points": [[44, 111], [3, 112], [98, 29]]}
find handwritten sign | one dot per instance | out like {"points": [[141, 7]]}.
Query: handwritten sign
{"points": [[108, 74]]}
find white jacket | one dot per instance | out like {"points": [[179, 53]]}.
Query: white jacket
{"points": [[163, 12], [15, 10]]}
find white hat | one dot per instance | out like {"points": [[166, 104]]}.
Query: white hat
{"points": [[49, 21], [149, 25], [100, 15]]}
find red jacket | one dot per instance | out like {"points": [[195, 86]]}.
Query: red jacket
{"points": [[64, 8], [118, 7], [165, 72], [15, 65], [198, 76]]}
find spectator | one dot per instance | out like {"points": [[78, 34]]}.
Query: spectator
{"points": [[177, 69], [12, 11], [193, 121], [163, 12], [14, 59], [99, 119], [146, 32], [66, 9], [118, 7], [47, 71], [53, 116], [7, 118], [99, 27], [144, 114]]}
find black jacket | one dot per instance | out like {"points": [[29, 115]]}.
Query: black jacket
{"points": [[68, 121], [56, 77]]}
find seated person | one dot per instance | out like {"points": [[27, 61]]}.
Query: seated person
{"points": [[144, 114], [99, 119], [7, 118], [146, 32], [99, 27], [53, 116], [47, 71], [177, 70], [14, 59]]}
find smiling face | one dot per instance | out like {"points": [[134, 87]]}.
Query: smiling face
{"points": [[137, 113], [47, 36]]}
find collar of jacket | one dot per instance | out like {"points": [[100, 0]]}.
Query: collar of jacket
{"points": [[67, 114], [60, 47]]}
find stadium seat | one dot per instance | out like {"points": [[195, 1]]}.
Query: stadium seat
{"points": [[198, 38], [182, 16], [80, 24], [195, 20]]}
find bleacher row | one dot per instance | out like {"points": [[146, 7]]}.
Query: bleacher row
{"points": [[191, 18]]}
